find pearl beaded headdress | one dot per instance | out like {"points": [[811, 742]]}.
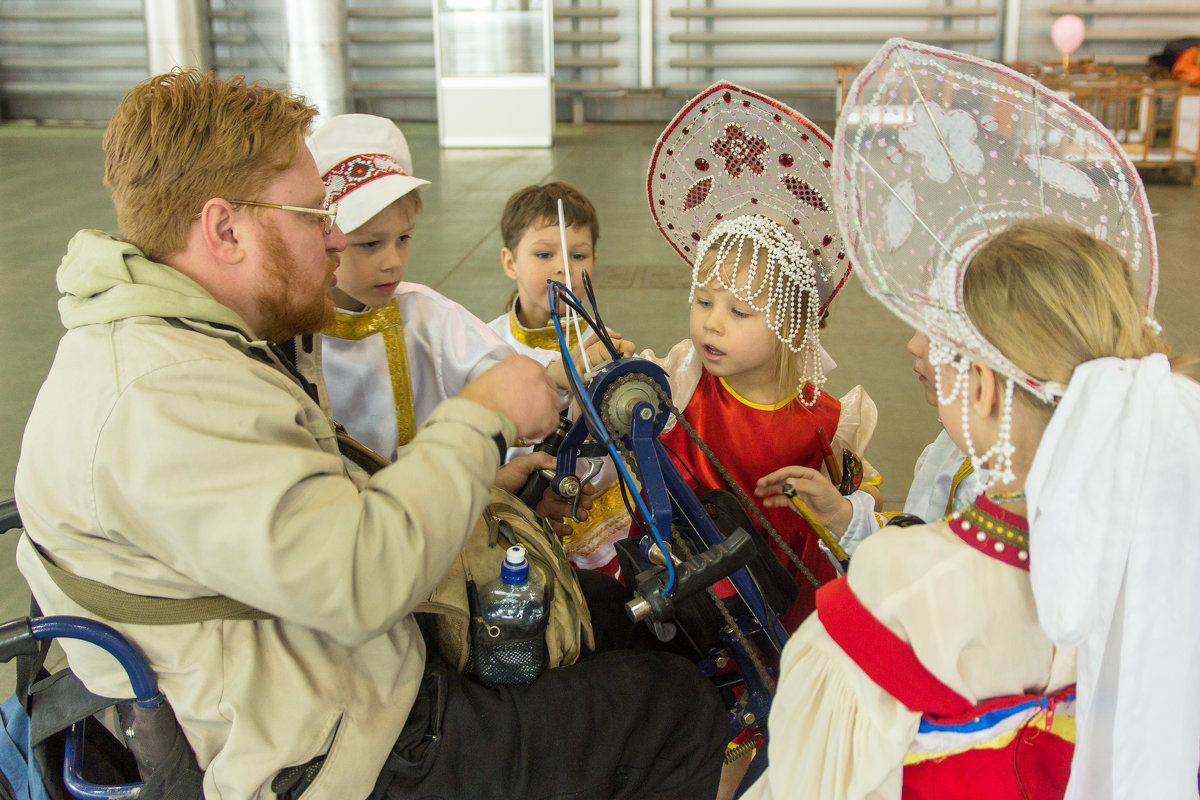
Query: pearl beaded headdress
{"points": [[936, 151], [742, 172]]}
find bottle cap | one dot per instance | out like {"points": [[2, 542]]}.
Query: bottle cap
{"points": [[515, 568]]}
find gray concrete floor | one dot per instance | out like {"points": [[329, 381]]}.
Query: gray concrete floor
{"points": [[50, 179]]}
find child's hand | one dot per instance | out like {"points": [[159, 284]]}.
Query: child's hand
{"points": [[597, 354], [827, 504], [557, 373], [557, 510]]}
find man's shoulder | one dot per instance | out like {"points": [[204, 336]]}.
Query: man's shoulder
{"points": [[145, 351], [145, 344]]}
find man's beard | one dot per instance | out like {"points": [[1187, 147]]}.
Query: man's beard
{"points": [[286, 308]]}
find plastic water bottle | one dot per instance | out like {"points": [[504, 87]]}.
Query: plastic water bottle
{"points": [[517, 600]]}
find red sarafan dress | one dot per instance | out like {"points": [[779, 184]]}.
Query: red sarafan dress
{"points": [[752, 440]]}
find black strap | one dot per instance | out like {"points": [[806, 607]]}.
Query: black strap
{"points": [[29, 666], [359, 453], [178, 778]]}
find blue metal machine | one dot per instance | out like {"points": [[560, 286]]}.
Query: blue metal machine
{"points": [[625, 406]]}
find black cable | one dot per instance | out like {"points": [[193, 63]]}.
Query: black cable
{"points": [[680, 462], [563, 294], [629, 509], [601, 329]]}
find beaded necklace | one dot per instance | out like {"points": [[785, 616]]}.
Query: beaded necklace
{"points": [[994, 531]]}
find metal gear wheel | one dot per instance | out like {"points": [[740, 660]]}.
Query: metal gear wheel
{"points": [[616, 407]]}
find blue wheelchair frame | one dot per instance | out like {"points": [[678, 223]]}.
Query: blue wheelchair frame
{"points": [[22, 637]]}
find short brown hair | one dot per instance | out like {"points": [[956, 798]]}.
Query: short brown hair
{"points": [[180, 139], [535, 205], [411, 201]]}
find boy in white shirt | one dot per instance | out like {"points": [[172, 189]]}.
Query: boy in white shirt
{"points": [[396, 349]]}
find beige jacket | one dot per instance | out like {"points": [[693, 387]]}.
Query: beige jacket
{"points": [[168, 454]]}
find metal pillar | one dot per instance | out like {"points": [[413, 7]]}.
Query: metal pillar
{"points": [[645, 33], [318, 61], [177, 35], [1012, 30]]}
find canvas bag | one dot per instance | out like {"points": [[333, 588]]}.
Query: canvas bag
{"points": [[445, 616], [507, 521]]}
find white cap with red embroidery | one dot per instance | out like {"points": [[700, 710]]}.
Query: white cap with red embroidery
{"points": [[365, 163]]}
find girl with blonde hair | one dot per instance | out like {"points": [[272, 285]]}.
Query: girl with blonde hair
{"points": [[1043, 640], [739, 185]]}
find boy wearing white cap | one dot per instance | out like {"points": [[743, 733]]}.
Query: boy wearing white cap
{"points": [[396, 349]]}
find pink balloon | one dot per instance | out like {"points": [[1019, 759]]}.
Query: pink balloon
{"points": [[1067, 33]]}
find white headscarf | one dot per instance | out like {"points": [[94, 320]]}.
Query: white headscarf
{"points": [[1115, 566]]}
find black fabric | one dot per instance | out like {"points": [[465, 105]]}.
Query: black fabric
{"points": [[59, 701], [30, 665], [291, 782], [177, 778], [624, 725], [606, 598]]}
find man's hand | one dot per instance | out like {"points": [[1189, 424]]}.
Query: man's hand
{"points": [[518, 388], [555, 508], [512, 476]]}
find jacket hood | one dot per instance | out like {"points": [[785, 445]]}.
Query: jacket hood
{"points": [[103, 279]]}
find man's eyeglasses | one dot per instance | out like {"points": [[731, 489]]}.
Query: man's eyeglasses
{"points": [[328, 214]]}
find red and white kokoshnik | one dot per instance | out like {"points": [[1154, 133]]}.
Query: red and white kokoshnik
{"points": [[736, 169]]}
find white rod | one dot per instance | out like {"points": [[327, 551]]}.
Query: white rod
{"points": [[1012, 29], [571, 315]]}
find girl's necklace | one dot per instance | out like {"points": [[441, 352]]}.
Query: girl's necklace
{"points": [[1006, 497]]}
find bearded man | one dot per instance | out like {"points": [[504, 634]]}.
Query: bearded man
{"points": [[174, 455]]}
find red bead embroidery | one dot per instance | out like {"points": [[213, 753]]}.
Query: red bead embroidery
{"points": [[357, 171], [697, 194], [803, 192], [740, 150]]}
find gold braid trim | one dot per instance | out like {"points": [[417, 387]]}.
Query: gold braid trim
{"points": [[386, 321], [606, 516], [540, 338], [965, 469], [995, 528]]}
